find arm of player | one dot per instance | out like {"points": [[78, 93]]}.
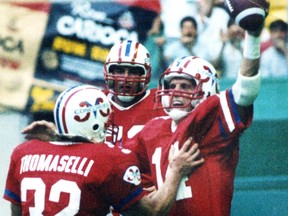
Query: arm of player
{"points": [[247, 86], [42, 130], [181, 164], [15, 210]]}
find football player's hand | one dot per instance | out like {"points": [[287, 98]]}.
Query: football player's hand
{"points": [[186, 159], [151, 190], [42, 130], [258, 32]]}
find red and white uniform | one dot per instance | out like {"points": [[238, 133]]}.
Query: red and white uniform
{"points": [[132, 119], [215, 124], [82, 178]]}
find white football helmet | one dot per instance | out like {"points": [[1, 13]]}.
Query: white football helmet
{"points": [[83, 111], [132, 54], [191, 68]]}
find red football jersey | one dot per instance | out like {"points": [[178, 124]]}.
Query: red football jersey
{"points": [[82, 178], [132, 119], [215, 124]]}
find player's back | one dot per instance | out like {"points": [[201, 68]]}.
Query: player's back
{"points": [[83, 179]]}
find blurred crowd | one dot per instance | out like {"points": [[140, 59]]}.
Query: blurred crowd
{"points": [[205, 29]]}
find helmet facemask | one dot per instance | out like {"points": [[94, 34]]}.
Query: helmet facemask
{"points": [[127, 86], [112, 131], [167, 95], [189, 68], [135, 57], [173, 100]]}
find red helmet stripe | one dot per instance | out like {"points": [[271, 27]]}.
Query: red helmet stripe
{"points": [[119, 52], [187, 63], [136, 50]]}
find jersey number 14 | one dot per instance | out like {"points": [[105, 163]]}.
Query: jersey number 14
{"points": [[184, 191]]}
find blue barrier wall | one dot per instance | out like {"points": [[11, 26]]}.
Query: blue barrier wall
{"points": [[272, 102]]}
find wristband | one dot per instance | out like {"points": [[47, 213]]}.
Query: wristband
{"points": [[251, 49]]}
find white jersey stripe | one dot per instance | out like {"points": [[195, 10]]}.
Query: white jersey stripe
{"points": [[226, 111]]}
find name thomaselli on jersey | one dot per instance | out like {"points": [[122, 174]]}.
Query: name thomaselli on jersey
{"points": [[56, 163]]}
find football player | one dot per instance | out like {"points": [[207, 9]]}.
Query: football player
{"points": [[127, 72], [188, 92], [83, 175]]}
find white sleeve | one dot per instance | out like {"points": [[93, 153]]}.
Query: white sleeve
{"points": [[246, 89]]}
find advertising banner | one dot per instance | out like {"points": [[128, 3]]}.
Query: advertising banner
{"points": [[50, 46], [21, 31]]}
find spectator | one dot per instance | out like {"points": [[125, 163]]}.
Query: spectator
{"points": [[211, 20], [82, 175], [230, 56], [154, 43], [173, 12], [183, 46], [274, 60]]}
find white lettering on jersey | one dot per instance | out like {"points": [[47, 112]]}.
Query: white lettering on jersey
{"points": [[184, 191], [39, 186], [56, 163], [132, 175]]}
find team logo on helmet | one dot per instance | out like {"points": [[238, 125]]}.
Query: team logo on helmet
{"points": [[86, 108], [83, 111]]}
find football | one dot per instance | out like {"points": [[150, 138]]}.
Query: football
{"points": [[248, 14]]}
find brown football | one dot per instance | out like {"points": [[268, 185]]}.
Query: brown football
{"points": [[249, 14]]}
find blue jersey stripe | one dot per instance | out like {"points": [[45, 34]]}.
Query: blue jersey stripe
{"points": [[127, 199], [221, 128], [12, 195], [233, 106]]}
